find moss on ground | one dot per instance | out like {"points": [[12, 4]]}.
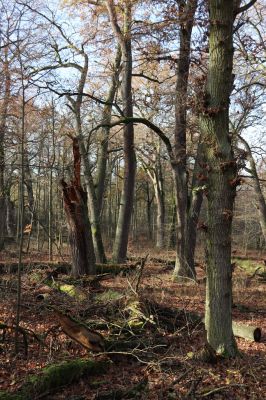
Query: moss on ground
{"points": [[53, 377]]}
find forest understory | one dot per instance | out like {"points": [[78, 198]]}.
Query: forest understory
{"points": [[153, 341]]}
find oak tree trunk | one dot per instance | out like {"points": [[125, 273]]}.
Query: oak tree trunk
{"points": [[221, 178]]}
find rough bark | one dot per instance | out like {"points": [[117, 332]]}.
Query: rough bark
{"points": [[126, 202], [221, 178], [187, 11], [75, 205]]}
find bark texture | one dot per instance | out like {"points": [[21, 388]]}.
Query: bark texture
{"points": [[75, 205], [220, 178], [187, 11], [126, 202], [3, 120], [194, 207]]}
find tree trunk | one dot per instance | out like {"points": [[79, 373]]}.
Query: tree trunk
{"points": [[195, 202], [75, 204], [148, 210], [126, 202], [94, 211], [187, 11], [159, 195], [221, 178], [106, 120], [261, 204], [3, 118]]}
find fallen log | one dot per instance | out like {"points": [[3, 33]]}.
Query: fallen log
{"points": [[65, 268], [54, 377]]}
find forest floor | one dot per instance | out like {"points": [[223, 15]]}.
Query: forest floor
{"points": [[166, 368]]}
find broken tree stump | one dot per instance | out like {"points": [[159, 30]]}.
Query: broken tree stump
{"points": [[79, 229]]}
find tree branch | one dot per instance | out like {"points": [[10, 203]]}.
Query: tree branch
{"points": [[245, 7], [149, 124]]}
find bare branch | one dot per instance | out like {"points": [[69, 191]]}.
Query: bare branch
{"points": [[149, 124], [245, 7]]}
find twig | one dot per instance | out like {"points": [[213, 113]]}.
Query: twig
{"points": [[183, 375], [220, 389]]}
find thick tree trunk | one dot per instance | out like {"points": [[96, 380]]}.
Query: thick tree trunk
{"points": [[75, 204], [221, 178], [126, 202], [187, 11]]}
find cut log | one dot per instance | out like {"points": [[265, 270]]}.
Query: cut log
{"points": [[247, 332], [65, 268]]}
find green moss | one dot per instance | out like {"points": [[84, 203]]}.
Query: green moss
{"points": [[71, 290], [108, 295], [53, 377], [248, 265]]}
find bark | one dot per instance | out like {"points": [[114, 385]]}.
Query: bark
{"points": [[149, 201], [28, 182], [93, 202], [187, 11], [10, 217], [126, 202], [220, 177], [106, 120], [261, 204], [96, 188], [195, 202], [3, 119], [156, 177], [75, 205], [159, 195], [94, 211]]}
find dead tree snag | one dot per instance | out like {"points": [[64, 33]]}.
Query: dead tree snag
{"points": [[75, 205]]}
